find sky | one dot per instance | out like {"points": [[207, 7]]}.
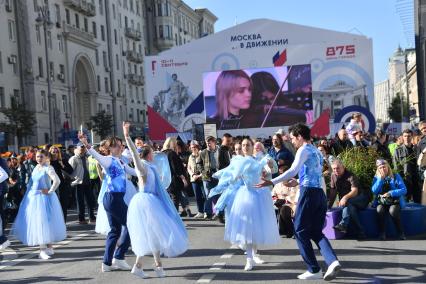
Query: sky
{"points": [[377, 19]]}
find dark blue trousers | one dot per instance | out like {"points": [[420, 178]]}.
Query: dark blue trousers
{"points": [[308, 224], [197, 187], [116, 210]]}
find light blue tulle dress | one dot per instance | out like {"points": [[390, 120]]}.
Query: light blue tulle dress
{"points": [[250, 214], [40, 220], [115, 176], [152, 220]]}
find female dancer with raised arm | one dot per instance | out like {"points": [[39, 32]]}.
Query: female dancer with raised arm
{"points": [[251, 220], [155, 226], [40, 220], [113, 202]]}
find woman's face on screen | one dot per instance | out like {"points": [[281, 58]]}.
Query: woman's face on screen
{"points": [[241, 96], [268, 96]]}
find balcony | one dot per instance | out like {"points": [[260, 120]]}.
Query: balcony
{"points": [[135, 79], [79, 36], [133, 34], [164, 43], [85, 7], [133, 56]]}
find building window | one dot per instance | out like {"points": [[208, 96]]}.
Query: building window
{"points": [[118, 88], [99, 107], [121, 112], [159, 10], [57, 14], [77, 21], [60, 43], [67, 16], [160, 31], [62, 71], [1, 63], [86, 25], [14, 65], [52, 71], [2, 103], [49, 39], [35, 3], [117, 62], [138, 115], [104, 57], [137, 9], [131, 5], [108, 109], [102, 33], [131, 114], [11, 28], [43, 101], [125, 4], [106, 85], [101, 7], [40, 67], [97, 57], [115, 37], [38, 34], [94, 30], [113, 11], [99, 83], [64, 103], [9, 5]]}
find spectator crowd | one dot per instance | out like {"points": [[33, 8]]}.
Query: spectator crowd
{"points": [[398, 179]]}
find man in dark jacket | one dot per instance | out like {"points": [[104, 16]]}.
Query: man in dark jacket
{"points": [[225, 151], [405, 163], [381, 146], [341, 143]]}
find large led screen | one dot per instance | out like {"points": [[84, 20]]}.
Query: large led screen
{"points": [[256, 98]]}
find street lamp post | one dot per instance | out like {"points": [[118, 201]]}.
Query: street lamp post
{"points": [[43, 19], [406, 83]]}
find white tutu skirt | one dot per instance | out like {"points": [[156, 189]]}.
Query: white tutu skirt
{"points": [[152, 230], [40, 220], [252, 219], [102, 224]]}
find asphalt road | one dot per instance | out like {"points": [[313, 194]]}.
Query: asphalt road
{"points": [[211, 260]]}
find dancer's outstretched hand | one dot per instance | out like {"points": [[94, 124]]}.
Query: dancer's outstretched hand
{"points": [[83, 139], [126, 127], [264, 183]]}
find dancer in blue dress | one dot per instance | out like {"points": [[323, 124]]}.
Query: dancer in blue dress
{"points": [[311, 205], [40, 220], [113, 203], [155, 226], [251, 219]]}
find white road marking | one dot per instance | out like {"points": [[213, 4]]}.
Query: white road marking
{"points": [[206, 278], [218, 266], [227, 255], [8, 263]]}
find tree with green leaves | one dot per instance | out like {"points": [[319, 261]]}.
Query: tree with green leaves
{"points": [[394, 110], [19, 121], [101, 123]]}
